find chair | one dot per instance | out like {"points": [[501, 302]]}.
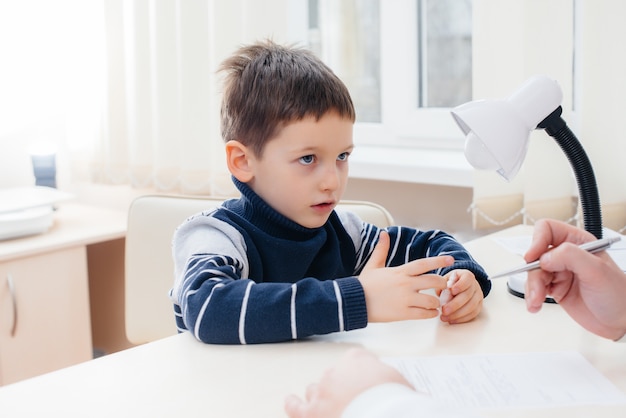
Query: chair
{"points": [[149, 269]]}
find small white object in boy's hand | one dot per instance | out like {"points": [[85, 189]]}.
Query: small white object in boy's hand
{"points": [[445, 295]]}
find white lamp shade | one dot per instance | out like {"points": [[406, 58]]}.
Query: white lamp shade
{"points": [[496, 139], [497, 131]]}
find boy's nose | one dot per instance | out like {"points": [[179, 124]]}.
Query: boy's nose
{"points": [[330, 179]]}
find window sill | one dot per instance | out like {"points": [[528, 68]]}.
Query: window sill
{"points": [[437, 167]]}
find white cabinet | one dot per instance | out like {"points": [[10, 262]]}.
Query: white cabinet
{"points": [[55, 286], [44, 313]]}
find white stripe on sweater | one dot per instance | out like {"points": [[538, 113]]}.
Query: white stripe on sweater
{"points": [[242, 314], [395, 247], [409, 246], [339, 305], [196, 329], [294, 327], [366, 233]]}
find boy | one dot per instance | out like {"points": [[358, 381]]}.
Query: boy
{"points": [[279, 263]]}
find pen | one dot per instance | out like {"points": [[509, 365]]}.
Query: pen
{"points": [[592, 247]]}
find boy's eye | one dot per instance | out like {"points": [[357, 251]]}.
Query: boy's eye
{"points": [[343, 156], [307, 159]]}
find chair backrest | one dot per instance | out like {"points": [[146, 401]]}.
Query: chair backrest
{"points": [[149, 268]]}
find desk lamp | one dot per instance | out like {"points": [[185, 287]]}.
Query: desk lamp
{"points": [[497, 134]]}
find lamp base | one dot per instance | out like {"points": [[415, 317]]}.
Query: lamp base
{"points": [[516, 286]]}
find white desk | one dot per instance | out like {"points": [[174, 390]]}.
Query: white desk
{"points": [[178, 376]]}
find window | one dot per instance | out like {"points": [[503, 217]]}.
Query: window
{"points": [[405, 63], [445, 52]]}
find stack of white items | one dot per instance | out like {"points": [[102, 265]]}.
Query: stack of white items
{"points": [[28, 210]]}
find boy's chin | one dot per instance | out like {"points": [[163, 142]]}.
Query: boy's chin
{"points": [[314, 223]]}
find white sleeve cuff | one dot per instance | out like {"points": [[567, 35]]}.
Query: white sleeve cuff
{"points": [[399, 401]]}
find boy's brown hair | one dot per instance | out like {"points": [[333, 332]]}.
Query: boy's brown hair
{"points": [[267, 86]]}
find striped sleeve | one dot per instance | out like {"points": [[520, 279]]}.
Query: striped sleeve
{"points": [[218, 307]]}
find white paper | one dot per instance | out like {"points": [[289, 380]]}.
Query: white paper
{"points": [[516, 380], [516, 245]]}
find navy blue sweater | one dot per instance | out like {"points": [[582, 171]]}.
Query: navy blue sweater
{"points": [[246, 274]]}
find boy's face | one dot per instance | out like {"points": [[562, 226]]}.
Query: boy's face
{"points": [[304, 170]]}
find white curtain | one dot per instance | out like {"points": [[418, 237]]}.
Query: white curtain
{"points": [[50, 67], [161, 99], [516, 39]]}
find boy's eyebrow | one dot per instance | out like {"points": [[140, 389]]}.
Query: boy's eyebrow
{"points": [[312, 149], [349, 149]]}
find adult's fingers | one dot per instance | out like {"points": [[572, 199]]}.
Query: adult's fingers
{"points": [[569, 257], [536, 289], [294, 406], [551, 233]]}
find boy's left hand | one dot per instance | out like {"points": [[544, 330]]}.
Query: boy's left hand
{"points": [[467, 298]]}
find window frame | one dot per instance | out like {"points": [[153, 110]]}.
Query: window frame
{"points": [[403, 123], [411, 144]]}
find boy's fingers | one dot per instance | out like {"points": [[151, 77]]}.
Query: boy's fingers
{"points": [[424, 265]]}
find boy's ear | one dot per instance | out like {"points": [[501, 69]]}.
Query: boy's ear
{"points": [[238, 161]]}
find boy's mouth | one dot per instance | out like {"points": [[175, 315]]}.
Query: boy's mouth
{"points": [[324, 205]]}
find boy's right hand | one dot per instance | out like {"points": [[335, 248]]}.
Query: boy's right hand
{"points": [[394, 293]]}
